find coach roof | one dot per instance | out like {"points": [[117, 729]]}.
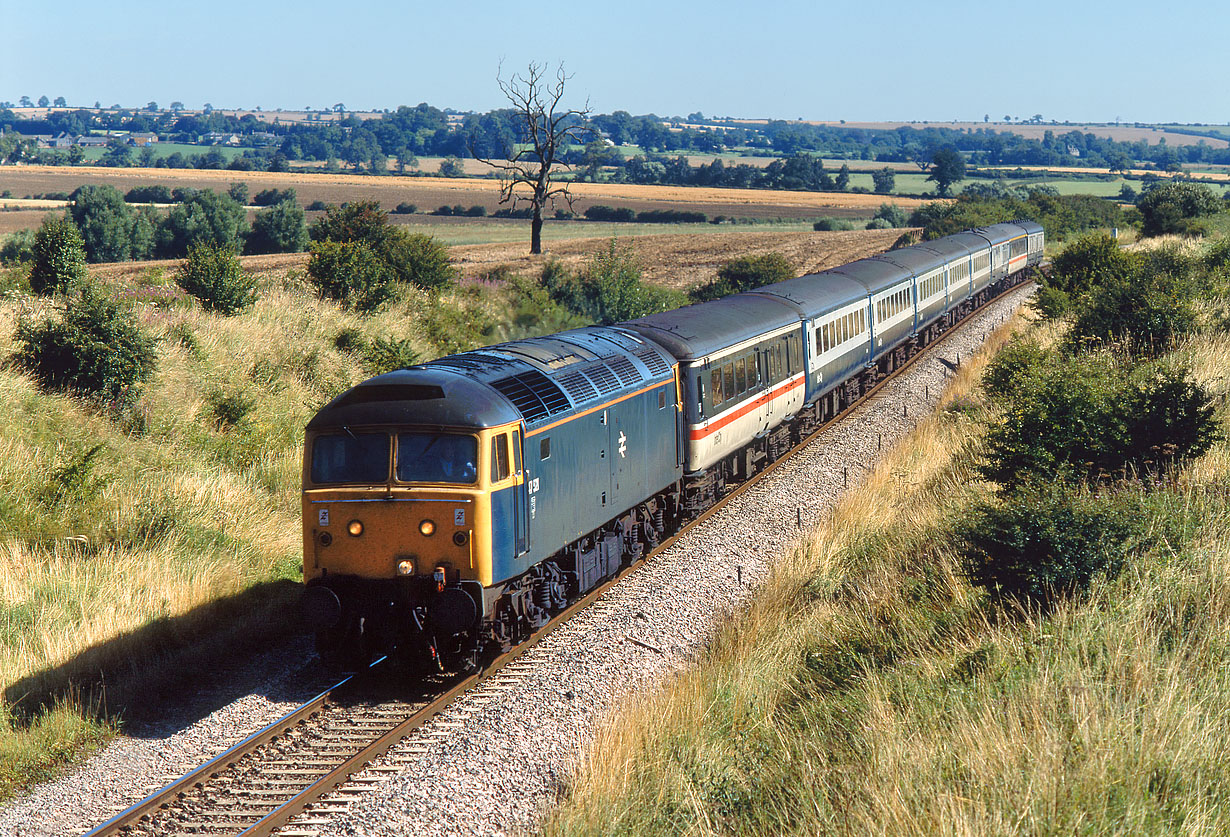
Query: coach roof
{"points": [[696, 331]]}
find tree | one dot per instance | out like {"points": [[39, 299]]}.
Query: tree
{"points": [[25, 102], [176, 107], [452, 167], [203, 217], [108, 226], [76, 155], [61, 102], [884, 180], [278, 229], [947, 167], [843, 177], [43, 102], [547, 128], [413, 258], [58, 257], [238, 192], [152, 107]]}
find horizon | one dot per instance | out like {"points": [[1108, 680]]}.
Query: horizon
{"points": [[792, 61]]}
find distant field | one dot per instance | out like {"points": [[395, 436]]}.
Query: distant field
{"points": [[428, 193], [1120, 133]]}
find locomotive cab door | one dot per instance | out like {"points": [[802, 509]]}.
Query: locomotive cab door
{"points": [[520, 499]]}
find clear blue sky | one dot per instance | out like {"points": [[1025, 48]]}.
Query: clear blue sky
{"points": [[861, 60]]}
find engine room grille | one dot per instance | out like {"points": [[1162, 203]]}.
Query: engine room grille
{"points": [[625, 370], [657, 366], [578, 387], [603, 378], [533, 394]]}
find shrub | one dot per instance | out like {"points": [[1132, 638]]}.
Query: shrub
{"points": [[671, 216], [1045, 541], [744, 274], [95, 347], [58, 257], [1147, 308], [832, 225], [388, 354], [614, 290], [270, 197], [17, 247], [610, 213], [1170, 207], [229, 409], [148, 194], [350, 272], [476, 211], [893, 214], [884, 179], [1090, 417], [109, 228], [407, 257], [212, 273], [879, 224], [1089, 262], [239, 193], [280, 228], [406, 209], [317, 206]]}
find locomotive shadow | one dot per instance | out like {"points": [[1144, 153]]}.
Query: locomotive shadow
{"points": [[173, 671]]}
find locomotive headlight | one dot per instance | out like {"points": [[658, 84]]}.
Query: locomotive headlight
{"points": [[405, 568], [355, 528], [427, 528]]}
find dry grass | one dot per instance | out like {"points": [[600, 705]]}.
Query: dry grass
{"points": [[869, 690]]}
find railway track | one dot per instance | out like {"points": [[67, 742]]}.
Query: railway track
{"points": [[296, 771]]}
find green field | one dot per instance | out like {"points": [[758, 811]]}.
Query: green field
{"points": [[166, 149]]}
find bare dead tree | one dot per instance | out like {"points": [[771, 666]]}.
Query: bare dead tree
{"points": [[527, 175]]}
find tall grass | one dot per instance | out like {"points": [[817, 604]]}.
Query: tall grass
{"points": [[141, 544], [869, 689]]}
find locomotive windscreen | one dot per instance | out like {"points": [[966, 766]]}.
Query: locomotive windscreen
{"points": [[436, 457], [350, 458]]}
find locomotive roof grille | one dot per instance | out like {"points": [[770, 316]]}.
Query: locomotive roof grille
{"points": [[653, 360], [603, 378], [578, 387], [626, 372], [533, 394]]}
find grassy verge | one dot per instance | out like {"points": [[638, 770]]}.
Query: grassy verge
{"points": [[870, 689]]}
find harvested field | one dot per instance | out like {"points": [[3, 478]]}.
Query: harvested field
{"points": [[676, 261], [428, 193]]}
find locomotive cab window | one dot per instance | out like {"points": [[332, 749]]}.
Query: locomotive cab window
{"points": [[544, 448], [500, 469], [350, 458], [438, 457]]}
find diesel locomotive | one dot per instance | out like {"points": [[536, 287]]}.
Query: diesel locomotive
{"points": [[451, 508]]}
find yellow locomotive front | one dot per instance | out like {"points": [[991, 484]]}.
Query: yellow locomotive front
{"points": [[397, 520]]}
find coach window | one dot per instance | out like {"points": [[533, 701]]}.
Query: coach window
{"points": [[715, 384], [740, 377], [728, 381], [544, 448]]}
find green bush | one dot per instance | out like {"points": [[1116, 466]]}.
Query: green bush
{"points": [[832, 225], [1089, 262], [1090, 417], [892, 214], [407, 257], [609, 288], [110, 229], [350, 272], [744, 274], [212, 273], [279, 228], [95, 347], [1147, 309], [1046, 541], [1173, 206], [58, 257], [17, 247], [388, 354]]}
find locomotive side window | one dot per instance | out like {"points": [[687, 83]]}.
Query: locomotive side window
{"points": [[662, 399], [499, 458], [350, 457], [439, 457], [516, 451], [544, 448]]}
